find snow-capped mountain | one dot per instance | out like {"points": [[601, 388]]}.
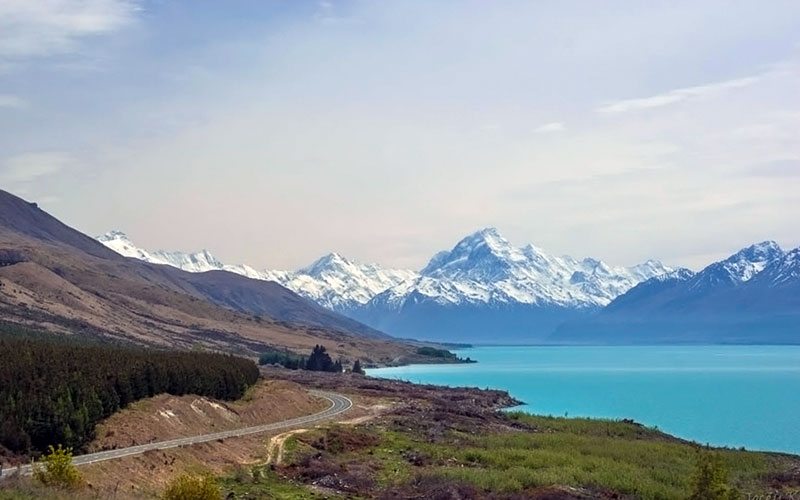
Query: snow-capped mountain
{"points": [[739, 267], [342, 285], [484, 289], [196, 262], [782, 271], [483, 277], [119, 242], [332, 281], [485, 268], [752, 296]]}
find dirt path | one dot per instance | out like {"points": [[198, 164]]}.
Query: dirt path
{"points": [[276, 446]]}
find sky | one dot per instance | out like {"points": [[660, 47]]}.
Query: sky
{"points": [[272, 132]]}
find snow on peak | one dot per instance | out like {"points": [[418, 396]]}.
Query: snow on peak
{"points": [[485, 268], [482, 268], [119, 242], [333, 281], [784, 269], [195, 262], [112, 235], [739, 267], [760, 252], [331, 261], [485, 250]]}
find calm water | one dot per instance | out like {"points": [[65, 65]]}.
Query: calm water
{"points": [[723, 395]]}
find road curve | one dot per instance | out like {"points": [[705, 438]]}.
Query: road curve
{"points": [[339, 404]]}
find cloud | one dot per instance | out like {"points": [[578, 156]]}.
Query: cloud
{"points": [[789, 167], [676, 96], [12, 101], [326, 14], [28, 167], [48, 200], [550, 127], [48, 27]]}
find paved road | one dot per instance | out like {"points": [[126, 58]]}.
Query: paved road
{"points": [[339, 404]]}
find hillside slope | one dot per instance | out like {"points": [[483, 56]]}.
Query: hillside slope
{"points": [[57, 278]]}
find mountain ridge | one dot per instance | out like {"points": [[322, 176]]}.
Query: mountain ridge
{"points": [[753, 296], [483, 271]]}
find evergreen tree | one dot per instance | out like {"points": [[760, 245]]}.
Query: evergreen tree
{"points": [[357, 368], [320, 360], [55, 390]]}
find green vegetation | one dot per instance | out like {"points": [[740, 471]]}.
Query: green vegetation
{"points": [[28, 490], [435, 353], [262, 482], [56, 469], [187, 487], [357, 368], [285, 359], [592, 455], [54, 390], [710, 479], [443, 354], [318, 361]]}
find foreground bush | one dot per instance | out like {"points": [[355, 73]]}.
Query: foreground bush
{"points": [[710, 479], [186, 487], [56, 469]]}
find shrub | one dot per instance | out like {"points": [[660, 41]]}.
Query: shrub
{"points": [[56, 469], [710, 479], [283, 358], [435, 353], [186, 487]]}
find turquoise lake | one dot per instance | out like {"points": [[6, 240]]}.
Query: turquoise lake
{"points": [[721, 395]]}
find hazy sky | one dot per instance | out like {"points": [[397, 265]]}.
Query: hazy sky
{"points": [[273, 132]]}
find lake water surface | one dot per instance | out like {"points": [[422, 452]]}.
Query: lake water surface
{"points": [[722, 395]]}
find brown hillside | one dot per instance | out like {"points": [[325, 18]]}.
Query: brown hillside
{"points": [[57, 278]]}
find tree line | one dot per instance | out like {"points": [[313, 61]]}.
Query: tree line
{"points": [[54, 391], [319, 361]]}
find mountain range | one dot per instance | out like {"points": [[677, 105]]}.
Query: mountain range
{"points": [[753, 296], [483, 288]]}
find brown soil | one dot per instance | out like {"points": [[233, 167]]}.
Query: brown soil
{"points": [[276, 446], [144, 476], [166, 417]]}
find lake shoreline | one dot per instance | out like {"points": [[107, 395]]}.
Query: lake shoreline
{"points": [[708, 394]]}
